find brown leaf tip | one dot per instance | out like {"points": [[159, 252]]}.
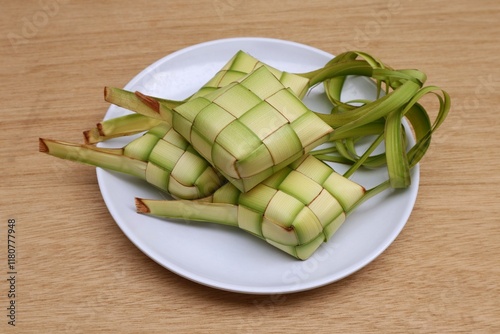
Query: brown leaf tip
{"points": [[106, 93], [149, 101], [100, 129], [86, 136], [140, 206], [42, 147]]}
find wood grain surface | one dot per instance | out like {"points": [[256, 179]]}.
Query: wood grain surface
{"points": [[76, 272]]}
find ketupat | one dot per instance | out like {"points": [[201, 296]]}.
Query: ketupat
{"points": [[248, 129], [296, 209], [161, 157]]}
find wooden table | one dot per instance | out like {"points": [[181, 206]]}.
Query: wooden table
{"points": [[76, 272]]}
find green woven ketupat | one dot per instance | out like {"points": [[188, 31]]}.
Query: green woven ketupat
{"points": [[173, 165], [301, 206], [296, 209], [250, 129], [161, 157]]}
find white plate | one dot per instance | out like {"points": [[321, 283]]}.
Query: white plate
{"points": [[227, 258]]}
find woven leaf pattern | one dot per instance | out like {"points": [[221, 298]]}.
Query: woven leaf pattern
{"points": [[250, 129], [297, 219], [172, 164], [240, 65]]}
